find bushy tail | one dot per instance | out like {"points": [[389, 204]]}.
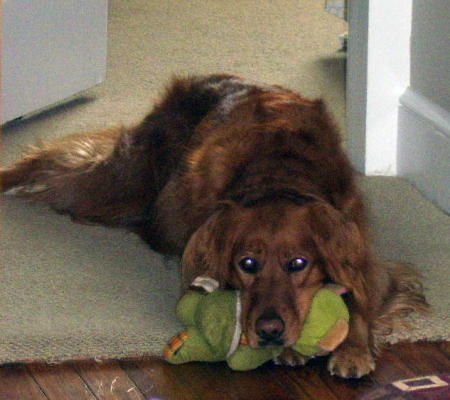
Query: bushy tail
{"points": [[404, 296], [94, 177]]}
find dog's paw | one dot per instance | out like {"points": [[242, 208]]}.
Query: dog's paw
{"points": [[351, 362], [290, 358]]}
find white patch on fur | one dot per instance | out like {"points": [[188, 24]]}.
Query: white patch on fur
{"points": [[230, 102], [28, 189]]}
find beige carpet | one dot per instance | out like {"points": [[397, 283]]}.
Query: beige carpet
{"points": [[69, 291]]}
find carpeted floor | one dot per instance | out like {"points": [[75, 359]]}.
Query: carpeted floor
{"points": [[69, 291]]}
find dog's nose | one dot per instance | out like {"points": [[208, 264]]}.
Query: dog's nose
{"points": [[269, 326]]}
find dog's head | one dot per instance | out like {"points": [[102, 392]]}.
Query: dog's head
{"points": [[278, 255]]}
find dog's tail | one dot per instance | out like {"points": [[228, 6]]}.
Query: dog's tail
{"points": [[404, 297], [95, 177]]}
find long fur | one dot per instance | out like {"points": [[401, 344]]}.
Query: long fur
{"points": [[222, 170], [404, 296]]}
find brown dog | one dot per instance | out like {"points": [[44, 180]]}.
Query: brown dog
{"points": [[250, 185]]}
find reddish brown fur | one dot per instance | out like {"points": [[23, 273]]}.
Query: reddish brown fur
{"points": [[221, 170]]}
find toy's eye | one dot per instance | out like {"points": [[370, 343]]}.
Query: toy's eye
{"points": [[249, 265], [296, 264]]}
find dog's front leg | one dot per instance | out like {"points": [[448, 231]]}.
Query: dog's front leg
{"points": [[354, 357]]}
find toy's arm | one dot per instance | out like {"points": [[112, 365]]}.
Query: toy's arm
{"points": [[334, 337], [326, 324], [188, 304], [339, 331], [204, 284]]}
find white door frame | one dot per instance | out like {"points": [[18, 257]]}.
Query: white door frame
{"points": [[393, 129], [378, 72]]}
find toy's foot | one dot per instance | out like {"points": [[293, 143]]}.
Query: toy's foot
{"points": [[175, 344], [351, 362], [290, 358]]}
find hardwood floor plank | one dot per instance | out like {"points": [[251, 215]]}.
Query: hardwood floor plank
{"points": [[203, 381], [424, 358], [391, 367], [342, 388], [304, 382], [108, 381], [445, 348], [17, 384], [60, 382], [156, 378], [218, 381], [206, 380]]}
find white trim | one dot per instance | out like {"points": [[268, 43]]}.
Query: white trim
{"points": [[424, 147], [431, 112]]}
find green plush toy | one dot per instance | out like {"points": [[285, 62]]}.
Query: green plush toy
{"points": [[214, 332]]}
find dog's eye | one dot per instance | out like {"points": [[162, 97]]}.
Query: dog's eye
{"points": [[249, 265], [296, 264]]}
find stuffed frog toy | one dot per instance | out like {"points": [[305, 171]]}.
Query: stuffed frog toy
{"points": [[213, 331]]}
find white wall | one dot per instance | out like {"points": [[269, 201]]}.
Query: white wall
{"points": [[424, 124], [357, 48], [430, 51], [51, 50]]}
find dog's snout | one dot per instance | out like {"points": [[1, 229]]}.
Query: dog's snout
{"points": [[269, 327]]}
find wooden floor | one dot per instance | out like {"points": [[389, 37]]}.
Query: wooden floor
{"points": [[154, 379]]}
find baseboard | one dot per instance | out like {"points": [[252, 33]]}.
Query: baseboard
{"points": [[424, 147]]}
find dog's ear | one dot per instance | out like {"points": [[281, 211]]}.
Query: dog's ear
{"points": [[346, 257], [208, 252]]}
